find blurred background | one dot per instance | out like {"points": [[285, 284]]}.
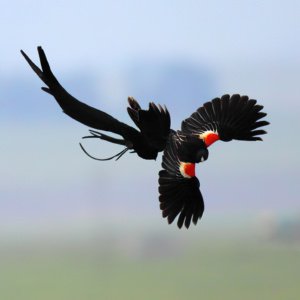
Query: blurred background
{"points": [[74, 228]]}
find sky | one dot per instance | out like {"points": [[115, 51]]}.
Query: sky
{"points": [[108, 33], [172, 52]]}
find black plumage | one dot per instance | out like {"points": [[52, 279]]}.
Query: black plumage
{"points": [[227, 118], [233, 117], [179, 195], [146, 143]]}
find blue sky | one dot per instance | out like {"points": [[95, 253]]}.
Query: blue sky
{"points": [[173, 52], [110, 32]]}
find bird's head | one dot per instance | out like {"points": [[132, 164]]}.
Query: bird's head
{"points": [[192, 149], [201, 155]]}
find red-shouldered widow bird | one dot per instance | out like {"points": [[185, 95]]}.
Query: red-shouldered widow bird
{"points": [[227, 118]]}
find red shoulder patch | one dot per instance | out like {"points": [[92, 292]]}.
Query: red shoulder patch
{"points": [[209, 137], [187, 170]]}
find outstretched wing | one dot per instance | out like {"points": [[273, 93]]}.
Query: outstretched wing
{"points": [[227, 118], [153, 123], [77, 110], [179, 188]]}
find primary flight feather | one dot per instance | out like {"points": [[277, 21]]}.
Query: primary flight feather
{"points": [[227, 118]]}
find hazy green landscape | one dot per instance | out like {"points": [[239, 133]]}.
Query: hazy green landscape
{"points": [[232, 269]]}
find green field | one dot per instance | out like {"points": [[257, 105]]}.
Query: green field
{"points": [[226, 270]]}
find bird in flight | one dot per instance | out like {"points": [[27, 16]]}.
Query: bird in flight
{"points": [[226, 118]]}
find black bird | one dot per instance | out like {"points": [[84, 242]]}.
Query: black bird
{"points": [[227, 118]]}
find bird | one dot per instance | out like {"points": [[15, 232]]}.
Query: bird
{"points": [[225, 118]]}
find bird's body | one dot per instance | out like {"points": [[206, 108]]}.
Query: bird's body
{"points": [[226, 118]]}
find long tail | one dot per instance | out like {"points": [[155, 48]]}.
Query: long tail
{"points": [[74, 108], [99, 135], [118, 155]]}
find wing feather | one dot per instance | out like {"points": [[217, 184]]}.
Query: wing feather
{"points": [[236, 117], [153, 123], [179, 196]]}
